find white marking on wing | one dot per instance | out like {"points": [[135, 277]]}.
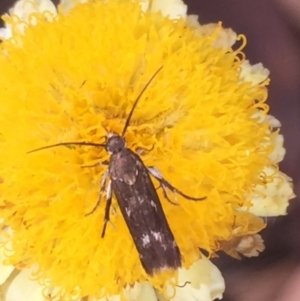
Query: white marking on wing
{"points": [[165, 247], [152, 203], [128, 211], [157, 235], [145, 240]]}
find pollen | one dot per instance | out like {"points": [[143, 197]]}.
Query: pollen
{"points": [[74, 78]]}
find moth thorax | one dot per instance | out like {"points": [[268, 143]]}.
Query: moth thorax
{"points": [[114, 144]]}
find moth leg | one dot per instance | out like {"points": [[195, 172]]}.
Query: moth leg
{"points": [[107, 208], [102, 188], [113, 210], [163, 187], [165, 184]]}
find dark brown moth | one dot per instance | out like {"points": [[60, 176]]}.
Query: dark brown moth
{"points": [[129, 180]]}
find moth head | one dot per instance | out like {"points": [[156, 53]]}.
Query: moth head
{"points": [[114, 143]]}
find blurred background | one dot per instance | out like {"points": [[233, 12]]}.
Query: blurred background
{"points": [[272, 28]]}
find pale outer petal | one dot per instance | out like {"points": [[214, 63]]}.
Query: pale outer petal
{"points": [[273, 122], [226, 36], [255, 74], [250, 245], [5, 33], [273, 198], [68, 4], [174, 9], [205, 284], [5, 270], [201, 282], [139, 292], [23, 9], [279, 151], [277, 195], [247, 245], [24, 289], [193, 21]]}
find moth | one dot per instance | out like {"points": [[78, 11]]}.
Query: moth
{"points": [[129, 180]]}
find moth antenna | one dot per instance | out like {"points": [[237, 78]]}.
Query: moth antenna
{"points": [[137, 99], [66, 143]]}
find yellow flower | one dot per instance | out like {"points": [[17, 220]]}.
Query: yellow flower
{"points": [[202, 122]]}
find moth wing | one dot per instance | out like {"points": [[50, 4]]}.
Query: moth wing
{"points": [[143, 213]]}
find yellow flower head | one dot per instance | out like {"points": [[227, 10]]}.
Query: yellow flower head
{"points": [[199, 122]]}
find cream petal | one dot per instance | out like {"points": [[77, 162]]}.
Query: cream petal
{"points": [[193, 20], [247, 245], [273, 198], [5, 33], [277, 140], [250, 245], [45, 6], [139, 292], [279, 151], [22, 288], [23, 9], [255, 74], [273, 122], [5, 270], [226, 36], [201, 282], [68, 4], [174, 9]]}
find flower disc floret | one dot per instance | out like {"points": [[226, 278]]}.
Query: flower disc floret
{"points": [[68, 80]]}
